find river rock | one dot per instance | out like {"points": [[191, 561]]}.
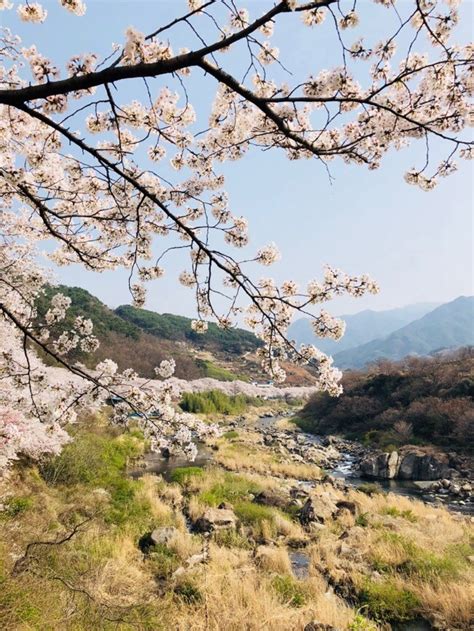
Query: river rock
{"points": [[352, 507], [317, 509], [162, 536], [272, 497], [215, 519]]}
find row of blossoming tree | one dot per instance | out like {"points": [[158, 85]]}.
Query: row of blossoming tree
{"points": [[110, 181]]}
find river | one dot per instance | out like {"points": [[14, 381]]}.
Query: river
{"points": [[346, 469]]}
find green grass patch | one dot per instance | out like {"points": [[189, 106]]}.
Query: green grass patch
{"points": [[99, 461], [231, 539], [16, 505], [423, 564], [395, 512], [215, 401], [387, 602], [93, 460], [216, 372], [163, 562], [188, 592], [362, 520], [182, 475], [230, 434], [231, 488], [252, 514]]}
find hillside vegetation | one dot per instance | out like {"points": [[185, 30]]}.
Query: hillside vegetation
{"points": [[423, 401], [140, 339], [178, 328]]}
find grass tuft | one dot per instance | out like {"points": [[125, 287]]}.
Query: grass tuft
{"points": [[289, 591]]}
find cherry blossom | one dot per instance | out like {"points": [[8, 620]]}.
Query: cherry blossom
{"points": [[87, 170]]}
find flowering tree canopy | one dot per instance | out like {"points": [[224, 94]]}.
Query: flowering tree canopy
{"points": [[109, 180]]}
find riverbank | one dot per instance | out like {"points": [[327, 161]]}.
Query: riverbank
{"points": [[253, 537]]}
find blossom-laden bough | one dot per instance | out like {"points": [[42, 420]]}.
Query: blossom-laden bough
{"points": [[110, 181]]}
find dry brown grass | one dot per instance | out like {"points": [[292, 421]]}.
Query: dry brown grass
{"points": [[273, 559], [236, 589], [240, 458], [236, 596], [453, 601], [247, 454], [418, 548]]}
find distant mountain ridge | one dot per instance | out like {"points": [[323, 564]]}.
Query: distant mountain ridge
{"points": [[449, 326], [361, 327]]}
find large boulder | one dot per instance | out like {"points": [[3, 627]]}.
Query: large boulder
{"points": [[410, 463], [215, 519], [318, 508], [419, 465], [384, 465], [160, 536]]}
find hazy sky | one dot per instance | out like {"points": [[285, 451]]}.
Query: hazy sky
{"points": [[417, 245]]}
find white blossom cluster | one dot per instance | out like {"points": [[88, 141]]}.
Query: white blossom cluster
{"points": [[112, 182]]}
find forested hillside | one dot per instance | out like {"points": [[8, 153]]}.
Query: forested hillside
{"points": [[140, 339], [178, 328], [418, 400]]}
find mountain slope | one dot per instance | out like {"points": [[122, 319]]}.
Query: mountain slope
{"points": [[140, 339], [450, 325], [361, 327], [178, 328]]}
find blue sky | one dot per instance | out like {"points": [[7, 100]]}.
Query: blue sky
{"points": [[417, 245]]}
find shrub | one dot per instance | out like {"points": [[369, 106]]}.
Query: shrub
{"points": [[16, 505], [289, 591], [215, 401], [99, 461], [92, 459], [414, 401], [163, 562], [361, 623]]}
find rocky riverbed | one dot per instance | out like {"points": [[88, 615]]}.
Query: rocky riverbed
{"points": [[444, 478]]}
